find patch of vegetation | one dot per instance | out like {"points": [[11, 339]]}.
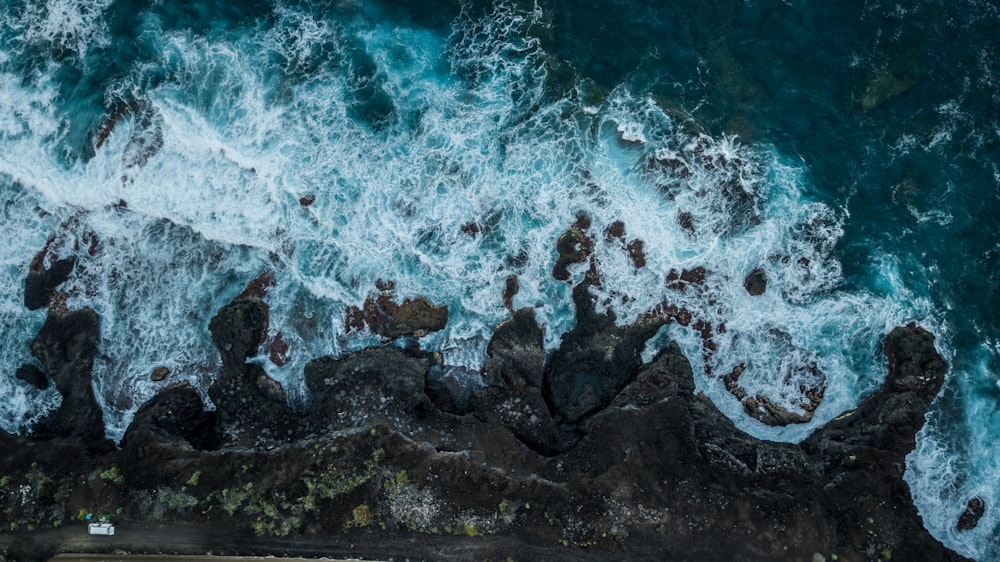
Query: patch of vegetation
{"points": [[285, 508], [333, 480], [470, 530], [193, 481], [177, 500], [112, 475], [361, 517], [34, 499]]}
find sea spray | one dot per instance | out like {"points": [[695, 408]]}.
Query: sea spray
{"points": [[441, 164], [180, 151]]}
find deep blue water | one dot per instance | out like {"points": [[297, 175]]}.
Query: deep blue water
{"points": [[849, 149]]}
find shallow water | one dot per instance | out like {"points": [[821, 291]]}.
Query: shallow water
{"points": [[849, 151]]}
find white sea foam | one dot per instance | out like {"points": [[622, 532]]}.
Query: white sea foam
{"points": [[25, 225], [443, 165], [73, 25], [944, 472]]}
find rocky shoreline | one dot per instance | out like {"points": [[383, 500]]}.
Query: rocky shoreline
{"points": [[586, 453]]}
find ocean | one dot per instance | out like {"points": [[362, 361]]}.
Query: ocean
{"points": [[849, 150]]}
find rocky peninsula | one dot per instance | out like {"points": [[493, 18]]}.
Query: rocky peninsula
{"points": [[584, 453]]}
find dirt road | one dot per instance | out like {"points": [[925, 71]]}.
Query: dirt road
{"points": [[139, 541], [177, 558]]}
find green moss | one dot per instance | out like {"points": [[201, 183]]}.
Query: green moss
{"points": [[361, 517], [401, 478], [470, 530], [4, 481], [193, 481], [112, 475], [177, 500], [271, 518], [231, 499], [328, 479]]}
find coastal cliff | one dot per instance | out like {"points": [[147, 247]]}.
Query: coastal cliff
{"points": [[587, 453]]}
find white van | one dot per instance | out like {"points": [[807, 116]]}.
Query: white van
{"points": [[102, 527]]}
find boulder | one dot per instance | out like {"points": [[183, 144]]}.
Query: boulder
{"points": [[974, 511], [755, 282], [175, 415], [411, 318], [159, 373]]}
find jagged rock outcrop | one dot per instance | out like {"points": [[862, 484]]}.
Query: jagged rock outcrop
{"points": [[383, 316], [65, 348], [32, 375], [588, 454], [514, 373], [248, 402], [43, 278]]}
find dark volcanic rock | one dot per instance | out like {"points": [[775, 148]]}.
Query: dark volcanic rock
{"points": [[361, 385], [383, 316], [574, 246], [595, 360], [246, 399], [238, 330], [33, 376], [376, 469], [756, 282], [510, 289], [888, 420], [65, 347], [513, 394], [974, 511], [42, 280], [159, 373], [175, 415]]}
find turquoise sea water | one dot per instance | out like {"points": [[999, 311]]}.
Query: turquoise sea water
{"points": [[849, 149]]}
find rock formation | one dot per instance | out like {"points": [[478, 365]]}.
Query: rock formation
{"points": [[587, 454]]}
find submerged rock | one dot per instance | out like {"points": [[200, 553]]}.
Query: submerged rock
{"points": [[755, 282], [383, 316], [974, 511], [159, 374]]}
